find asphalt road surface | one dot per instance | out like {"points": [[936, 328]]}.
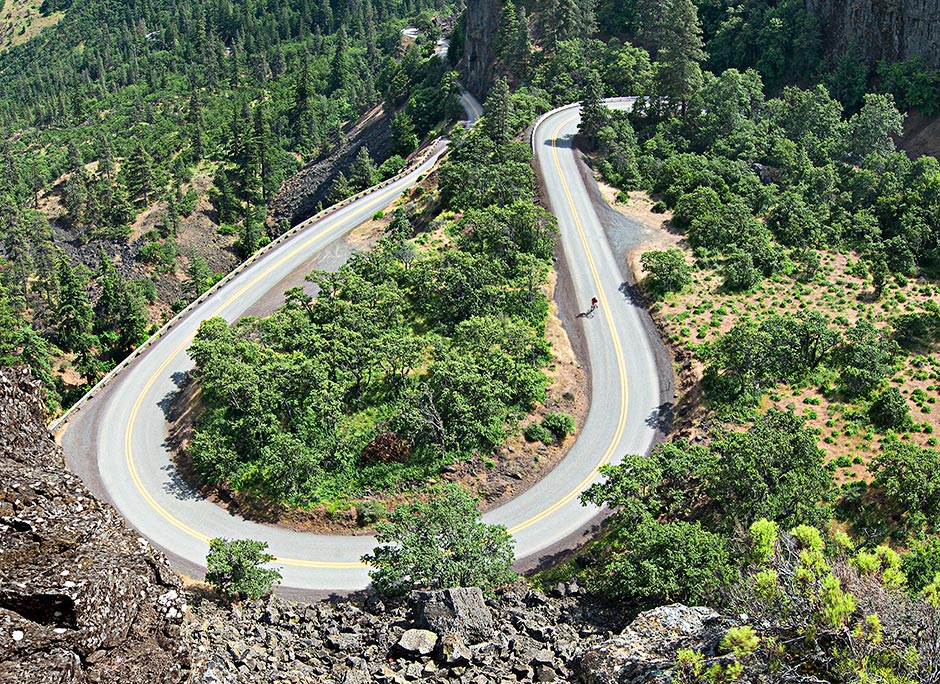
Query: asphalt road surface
{"points": [[117, 441]]}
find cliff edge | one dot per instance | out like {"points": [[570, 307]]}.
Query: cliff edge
{"points": [[83, 598]]}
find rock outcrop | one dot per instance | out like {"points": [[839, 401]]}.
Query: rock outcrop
{"points": [[301, 194], [481, 26], [892, 30], [82, 597], [442, 636], [646, 650]]}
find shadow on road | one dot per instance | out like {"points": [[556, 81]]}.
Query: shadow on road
{"points": [[632, 294], [181, 409], [177, 486]]}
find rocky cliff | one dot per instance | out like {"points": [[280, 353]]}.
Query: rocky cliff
{"points": [[301, 194], [82, 597], [882, 29], [481, 25]]}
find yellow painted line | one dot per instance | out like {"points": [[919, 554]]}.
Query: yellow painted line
{"points": [[621, 362], [128, 433], [608, 454]]}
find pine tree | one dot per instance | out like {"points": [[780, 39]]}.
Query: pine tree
{"points": [[674, 28], [109, 303], [249, 236], [404, 139], [594, 114], [521, 51], [8, 326], [243, 154], [340, 189], [506, 38], [133, 320], [265, 153], [340, 71], [226, 203], [139, 175], [362, 173], [496, 115], [73, 313], [199, 275]]}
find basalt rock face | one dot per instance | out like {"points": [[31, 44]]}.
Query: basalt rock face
{"points": [[482, 24], [82, 597], [646, 650], [882, 29], [301, 194], [452, 635]]}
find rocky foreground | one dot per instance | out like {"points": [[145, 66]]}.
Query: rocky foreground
{"points": [[84, 599], [446, 636]]}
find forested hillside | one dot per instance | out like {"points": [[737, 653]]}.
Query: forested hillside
{"points": [[139, 136], [801, 303]]}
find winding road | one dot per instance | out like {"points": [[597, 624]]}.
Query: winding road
{"points": [[117, 441]]}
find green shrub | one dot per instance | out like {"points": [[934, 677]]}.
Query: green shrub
{"points": [[889, 410], [234, 569], [438, 544], [369, 512], [536, 432], [559, 424]]}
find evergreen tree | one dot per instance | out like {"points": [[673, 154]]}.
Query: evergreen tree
{"points": [[139, 174], [225, 201], [249, 236], [340, 189], [73, 313], [265, 152], [519, 53], [404, 139], [594, 113], [362, 174], [673, 27], [506, 39], [121, 315], [8, 331], [109, 303], [199, 275], [496, 115], [341, 69]]}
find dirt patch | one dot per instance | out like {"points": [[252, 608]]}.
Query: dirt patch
{"points": [[843, 293], [921, 135], [654, 227]]}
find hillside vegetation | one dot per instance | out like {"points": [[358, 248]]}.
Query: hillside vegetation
{"points": [[126, 122]]}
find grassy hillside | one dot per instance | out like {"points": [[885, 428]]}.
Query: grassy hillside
{"points": [[20, 20]]}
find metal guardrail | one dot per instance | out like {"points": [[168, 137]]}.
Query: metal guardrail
{"points": [[409, 168], [629, 99]]}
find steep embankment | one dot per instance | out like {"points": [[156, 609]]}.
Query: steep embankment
{"points": [[482, 23], [300, 195], [82, 597], [881, 30]]}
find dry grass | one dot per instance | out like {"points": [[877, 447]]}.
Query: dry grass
{"points": [[20, 20], [704, 312]]}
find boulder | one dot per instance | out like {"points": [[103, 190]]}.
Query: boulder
{"points": [[646, 650], [417, 642], [453, 651], [458, 611]]}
